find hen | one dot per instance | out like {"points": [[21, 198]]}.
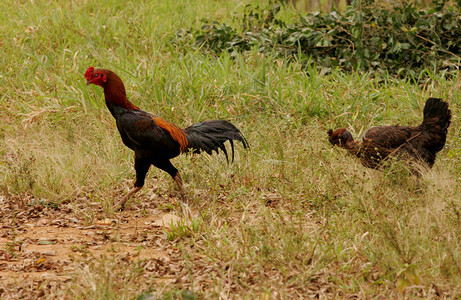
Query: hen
{"points": [[419, 143], [154, 140]]}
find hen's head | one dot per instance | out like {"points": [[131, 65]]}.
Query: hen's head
{"points": [[339, 137], [95, 76]]}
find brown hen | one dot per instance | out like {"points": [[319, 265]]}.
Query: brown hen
{"points": [[415, 143]]}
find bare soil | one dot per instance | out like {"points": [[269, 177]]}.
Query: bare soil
{"points": [[43, 246]]}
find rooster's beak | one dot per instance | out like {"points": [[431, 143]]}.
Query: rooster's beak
{"points": [[88, 83]]}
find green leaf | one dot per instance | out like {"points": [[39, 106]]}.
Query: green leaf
{"points": [[47, 242], [188, 295], [402, 284], [146, 296]]}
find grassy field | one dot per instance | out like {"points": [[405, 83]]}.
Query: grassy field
{"points": [[290, 218]]}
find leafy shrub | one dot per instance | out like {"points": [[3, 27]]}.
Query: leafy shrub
{"points": [[402, 40]]}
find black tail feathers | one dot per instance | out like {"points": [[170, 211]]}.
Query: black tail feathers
{"points": [[437, 118], [211, 135], [436, 114]]}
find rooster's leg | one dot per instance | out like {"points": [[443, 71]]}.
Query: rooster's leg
{"points": [[178, 180], [121, 204], [141, 166], [166, 166]]}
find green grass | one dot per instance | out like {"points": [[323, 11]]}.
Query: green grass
{"points": [[292, 217]]}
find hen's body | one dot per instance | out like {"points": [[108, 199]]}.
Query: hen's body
{"points": [[419, 143], [154, 140]]}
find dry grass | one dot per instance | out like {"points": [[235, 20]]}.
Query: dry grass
{"points": [[291, 218]]}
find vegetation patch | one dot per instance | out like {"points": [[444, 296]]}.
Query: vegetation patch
{"points": [[403, 40]]}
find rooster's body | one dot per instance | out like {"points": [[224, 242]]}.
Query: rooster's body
{"points": [[154, 140], [417, 143]]}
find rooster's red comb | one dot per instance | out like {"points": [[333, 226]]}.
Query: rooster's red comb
{"points": [[88, 73]]}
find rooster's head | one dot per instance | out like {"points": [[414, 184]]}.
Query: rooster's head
{"points": [[95, 76]]}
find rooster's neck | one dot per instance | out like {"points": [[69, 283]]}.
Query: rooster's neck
{"points": [[114, 92], [118, 98]]}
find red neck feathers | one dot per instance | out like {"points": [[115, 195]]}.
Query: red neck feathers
{"points": [[114, 89]]}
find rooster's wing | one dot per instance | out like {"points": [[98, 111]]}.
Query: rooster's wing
{"points": [[141, 130]]}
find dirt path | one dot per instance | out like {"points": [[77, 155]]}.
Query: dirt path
{"points": [[45, 243]]}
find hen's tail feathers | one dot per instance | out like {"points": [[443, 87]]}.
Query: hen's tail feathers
{"points": [[437, 118], [211, 135]]}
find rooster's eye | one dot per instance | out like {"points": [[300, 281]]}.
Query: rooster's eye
{"points": [[96, 75]]}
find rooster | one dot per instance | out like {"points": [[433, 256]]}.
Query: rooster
{"points": [[154, 140], [416, 143]]}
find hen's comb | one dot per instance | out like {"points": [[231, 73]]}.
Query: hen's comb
{"points": [[88, 73]]}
